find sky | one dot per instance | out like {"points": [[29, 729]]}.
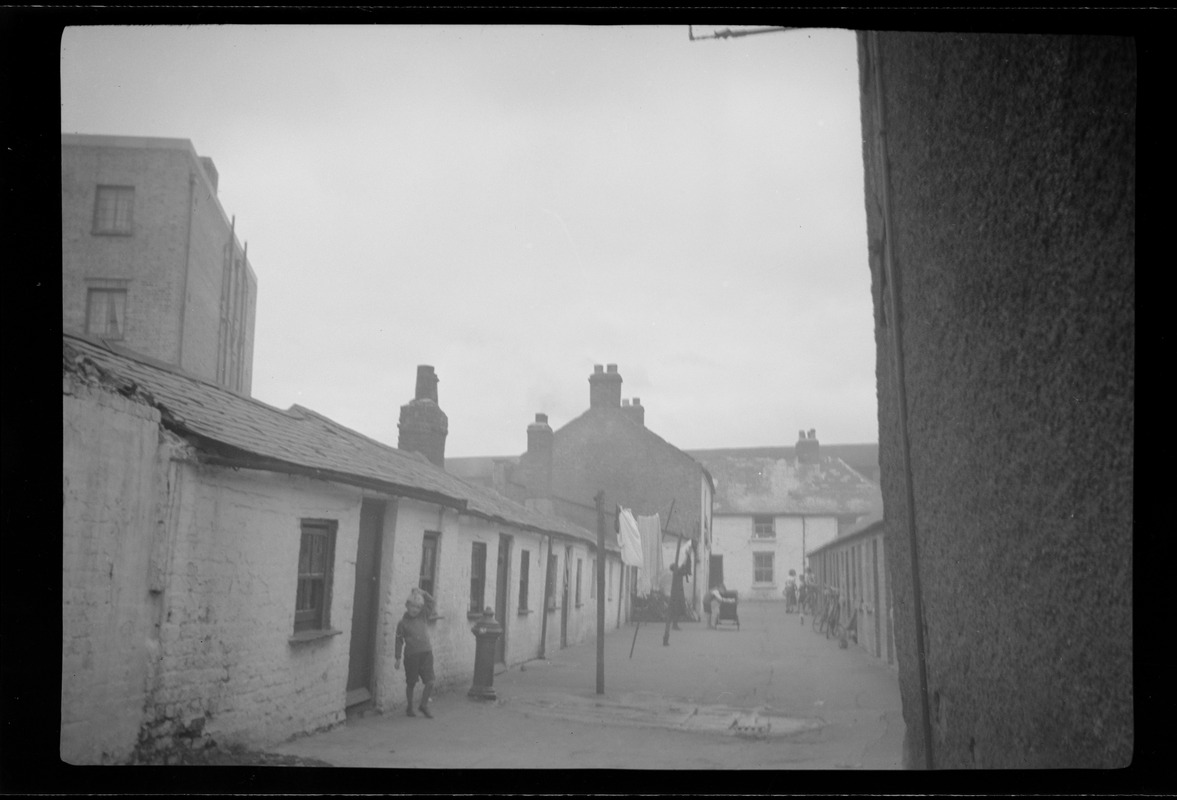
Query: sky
{"points": [[516, 204]]}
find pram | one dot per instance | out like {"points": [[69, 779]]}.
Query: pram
{"points": [[728, 612]]}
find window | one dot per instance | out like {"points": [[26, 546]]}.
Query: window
{"points": [[113, 206], [763, 528], [593, 585], [477, 577], [106, 313], [524, 570], [316, 553], [762, 567], [578, 563], [428, 580]]}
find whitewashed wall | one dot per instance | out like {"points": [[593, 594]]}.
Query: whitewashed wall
{"points": [[109, 499], [795, 535]]}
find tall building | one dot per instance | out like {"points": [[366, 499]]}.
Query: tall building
{"points": [[150, 260]]}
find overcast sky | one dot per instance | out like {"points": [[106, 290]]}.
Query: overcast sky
{"points": [[513, 205]]}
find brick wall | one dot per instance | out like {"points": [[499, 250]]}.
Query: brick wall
{"points": [[228, 665], [151, 259], [175, 229]]}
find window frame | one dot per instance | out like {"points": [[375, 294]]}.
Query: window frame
{"points": [[92, 292], [758, 524], [758, 569], [108, 224], [315, 618], [477, 576]]}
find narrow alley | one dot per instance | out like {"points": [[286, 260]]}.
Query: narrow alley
{"points": [[771, 695]]}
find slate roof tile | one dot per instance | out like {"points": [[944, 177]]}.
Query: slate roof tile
{"points": [[298, 436]]}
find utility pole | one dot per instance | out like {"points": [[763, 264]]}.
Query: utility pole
{"points": [[600, 498]]}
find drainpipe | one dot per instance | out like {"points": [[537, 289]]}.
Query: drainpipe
{"points": [[897, 345], [187, 263], [543, 625]]}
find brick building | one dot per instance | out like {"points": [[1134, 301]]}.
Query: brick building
{"points": [[235, 571], [149, 258], [770, 512], [609, 449]]}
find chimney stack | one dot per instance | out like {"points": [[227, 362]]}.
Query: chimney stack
{"points": [[634, 410], [423, 425], [808, 449], [605, 387], [536, 464]]}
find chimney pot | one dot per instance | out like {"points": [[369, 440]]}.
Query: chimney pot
{"points": [[625, 404], [541, 418], [637, 401], [426, 383], [612, 368], [598, 368]]}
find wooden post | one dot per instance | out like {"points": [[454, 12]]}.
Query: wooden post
{"points": [[600, 498]]}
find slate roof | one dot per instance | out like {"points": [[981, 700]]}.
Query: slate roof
{"points": [[755, 484], [216, 418], [858, 530], [862, 458], [588, 414]]}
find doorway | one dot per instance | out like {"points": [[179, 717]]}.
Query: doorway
{"points": [[364, 611], [565, 596], [714, 571], [502, 577]]}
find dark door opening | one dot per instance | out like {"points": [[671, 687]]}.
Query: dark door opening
{"points": [[502, 578], [364, 611], [565, 597], [715, 572]]}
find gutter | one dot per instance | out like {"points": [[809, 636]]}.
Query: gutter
{"points": [[187, 267], [221, 456], [876, 62]]}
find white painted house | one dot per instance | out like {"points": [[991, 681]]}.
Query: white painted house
{"points": [[235, 572], [772, 511]]}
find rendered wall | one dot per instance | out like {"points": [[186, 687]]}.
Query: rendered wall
{"points": [[109, 494], [734, 540], [1012, 182]]}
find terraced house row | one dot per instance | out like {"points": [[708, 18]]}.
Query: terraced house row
{"points": [[236, 571]]}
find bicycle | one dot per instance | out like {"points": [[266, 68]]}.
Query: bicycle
{"points": [[821, 608], [827, 620]]}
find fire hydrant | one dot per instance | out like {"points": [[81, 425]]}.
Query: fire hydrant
{"points": [[486, 631]]}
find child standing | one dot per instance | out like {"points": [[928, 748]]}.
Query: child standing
{"points": [[412, 635]]}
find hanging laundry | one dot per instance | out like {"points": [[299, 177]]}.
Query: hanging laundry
{"points": [[651, 536], [629, 539]]}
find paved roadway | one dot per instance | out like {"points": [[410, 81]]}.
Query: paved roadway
{"points": [[772, 695]]}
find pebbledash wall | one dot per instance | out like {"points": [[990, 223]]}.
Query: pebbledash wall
{"points": [[1000, 198], [793, 537]]}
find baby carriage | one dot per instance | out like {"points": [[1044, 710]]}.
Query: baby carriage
{"points": [[728, 612]]}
